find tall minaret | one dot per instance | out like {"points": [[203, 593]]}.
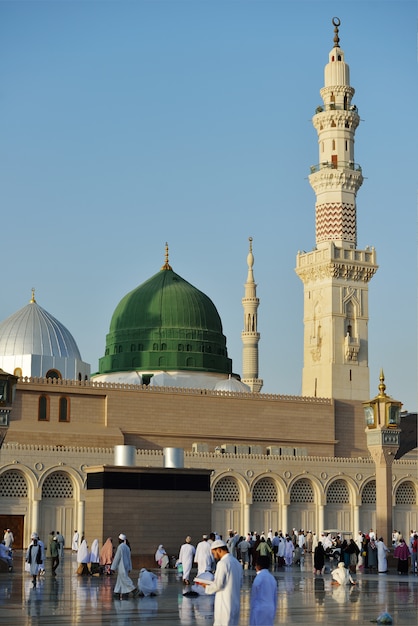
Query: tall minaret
{"points": [[335, 274], [250, 336]]}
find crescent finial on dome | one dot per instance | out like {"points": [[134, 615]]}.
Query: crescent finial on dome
{"points": [[336, 22], [32, 300], [166, 265]]}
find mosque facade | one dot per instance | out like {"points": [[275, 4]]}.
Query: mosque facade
{"points": [[166, 381]]}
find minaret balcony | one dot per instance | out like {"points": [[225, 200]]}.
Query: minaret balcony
{"points": [[348, 165], [335, 106]]}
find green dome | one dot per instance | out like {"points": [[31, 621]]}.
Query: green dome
{"points": [[165, 324]]}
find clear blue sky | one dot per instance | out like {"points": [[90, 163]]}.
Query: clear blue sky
{"points": [[124, 125]]}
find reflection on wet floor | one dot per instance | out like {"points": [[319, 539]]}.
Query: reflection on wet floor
{"points": [[303, 599]]}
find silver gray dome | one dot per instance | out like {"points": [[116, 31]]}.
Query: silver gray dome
{"points": [[32, 330]]}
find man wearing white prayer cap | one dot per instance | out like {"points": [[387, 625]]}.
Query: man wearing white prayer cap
{"points": [[186, 556], [226, 586], [122, 564]]}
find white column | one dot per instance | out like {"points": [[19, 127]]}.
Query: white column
{"points": [[356, 520], [320, 528], [284, 519], [247, 527], [35, 517], [80, 518]]}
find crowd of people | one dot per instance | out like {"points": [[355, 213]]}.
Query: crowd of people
{"points": [[220, 563]]}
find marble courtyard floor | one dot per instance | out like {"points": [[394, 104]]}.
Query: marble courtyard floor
{"points": [[303, 599]]}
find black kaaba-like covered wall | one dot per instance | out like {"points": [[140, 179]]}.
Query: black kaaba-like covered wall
{"points": [[152, 506]]}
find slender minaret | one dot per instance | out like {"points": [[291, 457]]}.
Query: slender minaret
{"points": [[250, 336], [335, 274]]}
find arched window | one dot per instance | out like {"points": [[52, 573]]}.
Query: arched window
{"points": [[302, 491], [265, 490], [226, 490], [53, 374], [64, 410], [43, 409], [337, 493]]}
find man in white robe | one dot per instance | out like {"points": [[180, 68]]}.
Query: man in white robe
{"points": [[341, 575], [147, 583], [263, 602], [186, 555], [382, 551], [288, 551], [226, 586], [282, 545], [8, 538], [203, 556], [75, 541], [327, 542], [122, 564]]}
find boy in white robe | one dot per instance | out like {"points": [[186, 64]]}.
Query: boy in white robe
{"points": [[263, 595]]}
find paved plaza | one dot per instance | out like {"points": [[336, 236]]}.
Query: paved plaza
{"points": [[303, 599]]}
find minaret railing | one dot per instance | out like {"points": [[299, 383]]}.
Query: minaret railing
{"points": [[349, 165]]}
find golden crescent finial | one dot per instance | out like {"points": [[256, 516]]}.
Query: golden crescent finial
{"points": [[336, 22], [166, 265], [32, 300]]}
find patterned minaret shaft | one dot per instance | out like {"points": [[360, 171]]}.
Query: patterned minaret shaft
{"points": [[336, 274], [250, 336]]}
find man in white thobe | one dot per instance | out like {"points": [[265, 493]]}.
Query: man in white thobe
{"points": [[186, 555], [263, 603], [122, 564], [382, 551], [8, 538], [226, 586], [75, 541], [203, 556]]}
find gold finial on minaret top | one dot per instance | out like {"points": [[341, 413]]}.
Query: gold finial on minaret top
{"points": [[336, 22], [382, 386], [32, 300], [166, 265]]}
